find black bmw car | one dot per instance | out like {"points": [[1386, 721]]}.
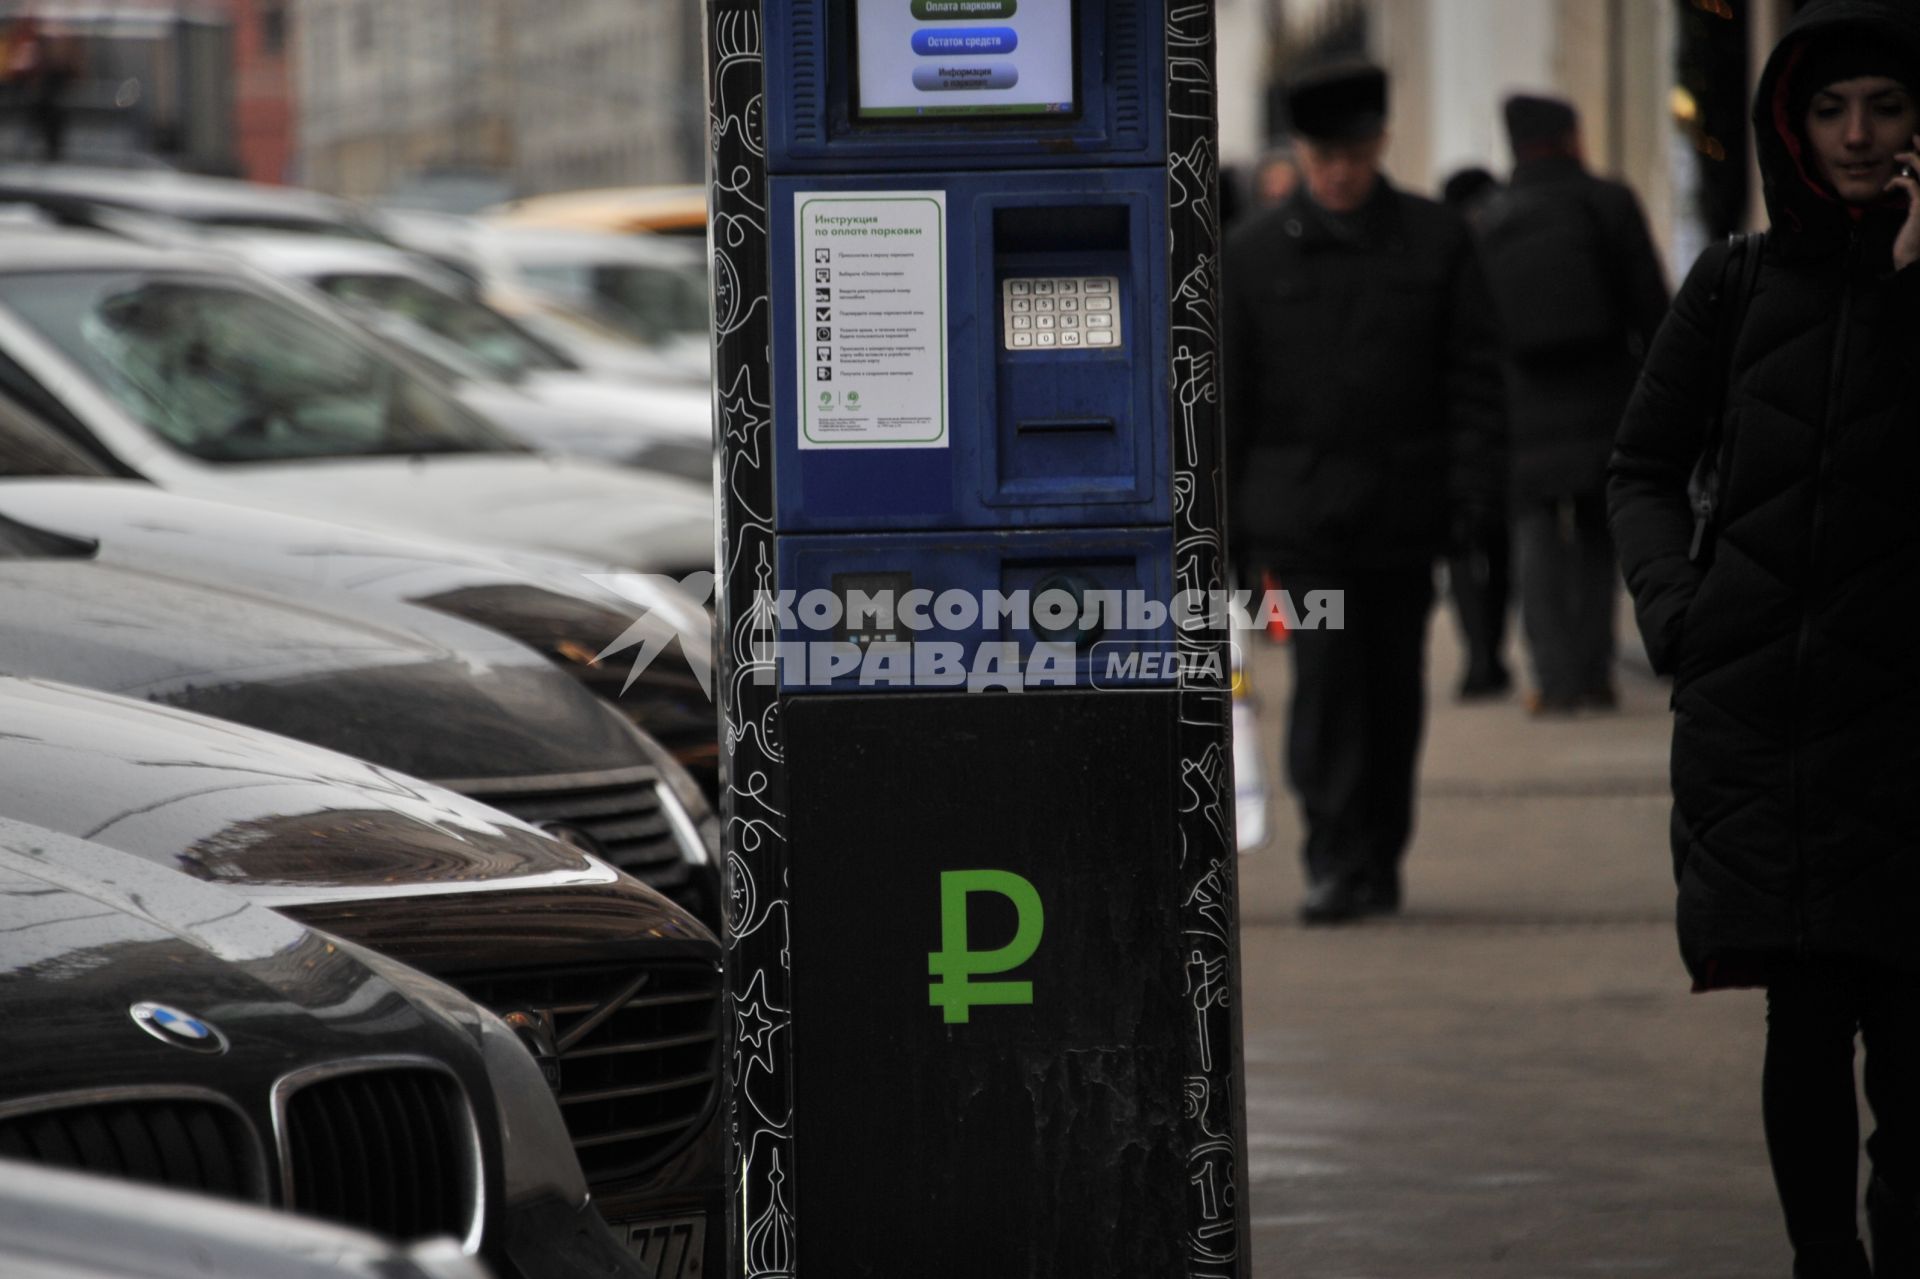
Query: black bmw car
{"points": [[165, 1031], [614, 988]]}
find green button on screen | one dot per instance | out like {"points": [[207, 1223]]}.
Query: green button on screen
{"points": [[942, 10]]}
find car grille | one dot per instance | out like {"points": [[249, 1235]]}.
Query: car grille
{"points": [[617, 816], [388, 1150], [637, 1055], [187, 1144]]}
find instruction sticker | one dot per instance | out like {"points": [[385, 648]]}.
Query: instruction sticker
{"points": [[872, 281]]}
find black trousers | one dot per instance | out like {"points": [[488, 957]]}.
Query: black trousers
{"points": [[1567, 582], [1359, 708], [1480, 579], [1815, 1007]]}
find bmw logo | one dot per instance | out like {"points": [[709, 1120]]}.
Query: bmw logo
{"points": [[182, 1030]]}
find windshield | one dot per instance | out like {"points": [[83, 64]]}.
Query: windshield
{"points": [[287, 225], [498, 345], [654, 303], [29, 449], [227, 374]]}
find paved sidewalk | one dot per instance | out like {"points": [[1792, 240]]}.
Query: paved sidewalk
{"points": [[1511, 1079]]}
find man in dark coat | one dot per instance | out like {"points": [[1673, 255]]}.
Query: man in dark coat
{"points": [[1792, 638], [1365, 429], [1580, 294]]}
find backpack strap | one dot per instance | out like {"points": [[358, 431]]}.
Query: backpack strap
{"points": [[1738, 276]]}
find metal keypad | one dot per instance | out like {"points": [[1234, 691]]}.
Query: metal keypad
{"points": [[1053, 311]]}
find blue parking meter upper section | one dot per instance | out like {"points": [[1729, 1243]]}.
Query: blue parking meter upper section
{"points": [[1035, 435], [968, 244], [1094, 97]]}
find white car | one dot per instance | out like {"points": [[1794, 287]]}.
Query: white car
{"points": [[509, 374], [207, 204], [630, 306], [210, 379]]}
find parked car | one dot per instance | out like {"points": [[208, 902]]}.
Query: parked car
{"points": [[614, 988], [62, 1225], [498, 367], [621, 306], [551, 604], [209, 379], [170, 1032], [212, 204], [660, 210], [653, 291], [403, 687]]}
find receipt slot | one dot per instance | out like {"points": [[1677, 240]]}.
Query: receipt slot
{"points": [[982, 960]]}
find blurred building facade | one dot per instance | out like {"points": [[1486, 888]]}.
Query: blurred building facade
{"points": [[119, 81], [263, 133], [1662, 87], [540, 95]]}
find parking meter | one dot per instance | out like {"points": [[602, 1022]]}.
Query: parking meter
{"points": [[982, 954]]}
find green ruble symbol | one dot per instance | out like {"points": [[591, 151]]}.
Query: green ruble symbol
{"points": [[956, 963]]}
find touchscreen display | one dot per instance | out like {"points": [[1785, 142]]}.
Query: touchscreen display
{"points": [[937, 59]]}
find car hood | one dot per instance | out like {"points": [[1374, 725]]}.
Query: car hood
{"points": [[87, 932], [556, 605], [283, 821], [137, 525], [439, 699], [608, 514]]}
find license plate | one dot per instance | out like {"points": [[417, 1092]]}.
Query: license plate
{"points": [[673, 1249]]}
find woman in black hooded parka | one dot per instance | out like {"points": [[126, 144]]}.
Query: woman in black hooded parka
{"points": [[1794, 641]]}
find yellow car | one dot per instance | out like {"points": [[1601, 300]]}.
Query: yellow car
{"points": [[666, 210]]}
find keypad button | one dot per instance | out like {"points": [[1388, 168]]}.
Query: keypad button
{"points": [[1022, 305], [1069, 321], [1100, 338], [1043, 304], [1069, 339], [1067, 286], [1043, 287], [1043, 321], [1069, 304], [1098, 304], [1023, 339], [1047, 339], [1019, 288], [1099, 286], [1099, 321], [1023, 321]]}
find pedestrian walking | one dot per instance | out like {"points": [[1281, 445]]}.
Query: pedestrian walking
{"points": [[1785, 387], [1480, 570], [1580, 293], [1364, 418]]}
